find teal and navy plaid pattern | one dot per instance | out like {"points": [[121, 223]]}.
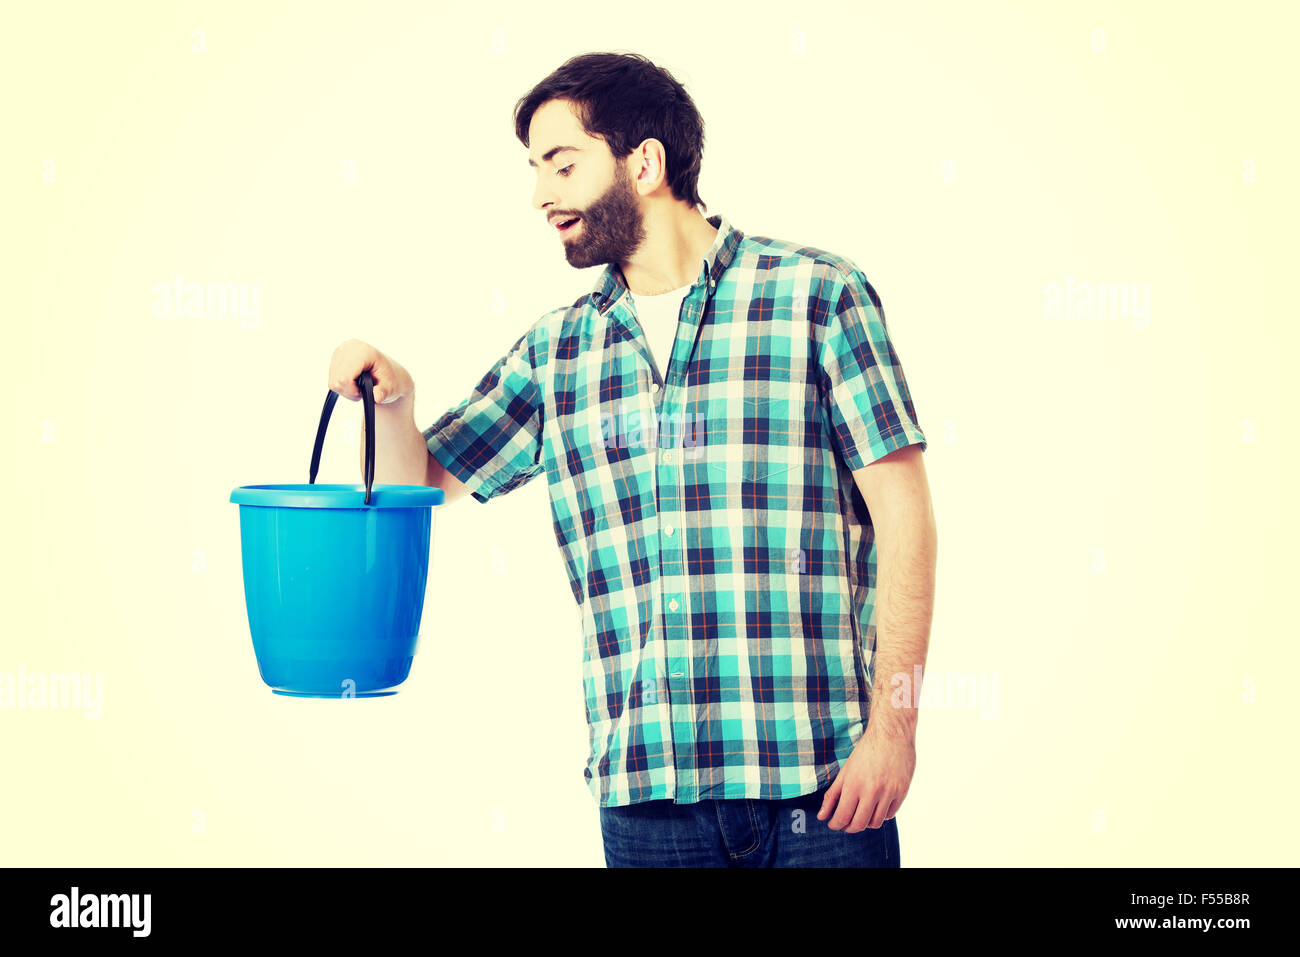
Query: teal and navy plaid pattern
{"points": [[715, 540]]}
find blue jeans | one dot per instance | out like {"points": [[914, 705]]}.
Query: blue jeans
{"points": [[740, 832]]}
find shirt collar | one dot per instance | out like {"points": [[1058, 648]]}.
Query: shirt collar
{"points": [[612, 285]]}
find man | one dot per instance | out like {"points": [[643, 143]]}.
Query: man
{"points": [[736, 485]]}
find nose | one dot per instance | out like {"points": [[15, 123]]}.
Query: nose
{"points": [[543, 196]]}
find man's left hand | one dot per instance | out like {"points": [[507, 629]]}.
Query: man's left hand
{"points": [[871, 784]]}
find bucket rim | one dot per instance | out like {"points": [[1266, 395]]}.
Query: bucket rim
{"points": [[322, 495]]}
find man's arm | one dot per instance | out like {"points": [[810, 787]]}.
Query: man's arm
{"points": [[898, 498], [402, 455], [873, 428], [453, 489], [873, 782]]}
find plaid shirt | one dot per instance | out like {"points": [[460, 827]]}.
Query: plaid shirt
{"points": [[726, 573]]}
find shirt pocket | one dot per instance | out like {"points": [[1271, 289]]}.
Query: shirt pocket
{"points": [[772, 452]]}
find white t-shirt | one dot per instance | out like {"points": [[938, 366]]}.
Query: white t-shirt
{"points": [[658, 318]]}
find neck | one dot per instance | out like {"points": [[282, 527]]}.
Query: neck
{"points": [[676, 241]]}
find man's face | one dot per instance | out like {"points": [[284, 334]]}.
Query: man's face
{"points": [[586, 182]]}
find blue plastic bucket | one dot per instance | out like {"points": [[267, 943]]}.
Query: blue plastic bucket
{"points": [[334, 576]]}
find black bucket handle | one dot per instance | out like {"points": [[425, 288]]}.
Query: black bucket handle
{"points": [[366, 383]]}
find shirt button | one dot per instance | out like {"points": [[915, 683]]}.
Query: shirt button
{"points": [[668, 458], [672, 605], [669, 531], [654, 386]]}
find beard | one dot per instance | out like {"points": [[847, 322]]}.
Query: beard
{"points": [[612, 227]]}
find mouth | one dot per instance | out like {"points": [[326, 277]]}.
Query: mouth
{"points": [[568, 226]]}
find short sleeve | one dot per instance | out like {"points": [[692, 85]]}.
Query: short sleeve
{"points": [[492, 441], [860, 379]]}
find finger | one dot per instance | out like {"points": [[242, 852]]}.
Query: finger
{"points": [[866, 814], [847, 806], [382, 377], [828, 802]]}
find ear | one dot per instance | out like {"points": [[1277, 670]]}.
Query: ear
{"points": [[650, 162]]}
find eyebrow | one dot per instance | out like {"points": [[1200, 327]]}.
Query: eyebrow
{"points": [[546, 157]]}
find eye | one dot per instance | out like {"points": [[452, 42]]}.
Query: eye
{"points": [[565, 171]]}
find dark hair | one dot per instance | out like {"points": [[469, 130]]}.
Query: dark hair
{"points": [[625, 99]]}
